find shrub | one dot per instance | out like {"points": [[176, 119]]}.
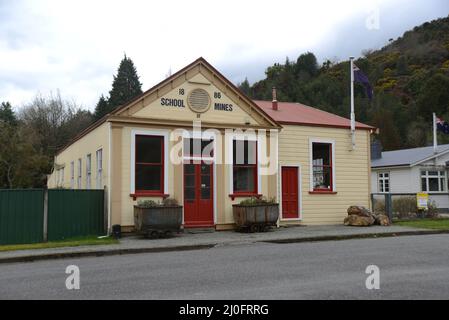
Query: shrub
{"points": [[253, 201], [405, 207], [379, 207], [432, 211], [147, 203], [168, 202]]}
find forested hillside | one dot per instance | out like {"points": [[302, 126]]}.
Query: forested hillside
{"points": [[410, 77]]}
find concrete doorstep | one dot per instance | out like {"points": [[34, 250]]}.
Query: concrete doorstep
{"points": [[198, 241]]}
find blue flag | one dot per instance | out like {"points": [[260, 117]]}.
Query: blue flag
{"points": [[360, 77]]}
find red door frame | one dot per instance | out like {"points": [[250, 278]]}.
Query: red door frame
{"points": [[199, 212], [291, 204]]}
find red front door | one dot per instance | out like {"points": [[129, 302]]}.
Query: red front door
{"points": [[198, 195], [290, 207]]}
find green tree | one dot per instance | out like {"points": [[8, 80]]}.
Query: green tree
{"points": [[307, 63], [102, 108], [434, 96], [417, 133], [125, 85], [7, 114], [245, 87], [20, 165]]}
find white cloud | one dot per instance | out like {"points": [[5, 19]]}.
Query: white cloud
{"points": [[75, 46]]}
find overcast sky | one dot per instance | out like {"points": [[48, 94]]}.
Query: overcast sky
{"points": [[76, 46]]}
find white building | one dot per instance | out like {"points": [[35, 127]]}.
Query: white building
{"points": [[409, 171]]}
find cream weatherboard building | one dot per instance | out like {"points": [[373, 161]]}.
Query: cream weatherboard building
{"points": [[196, 138]]}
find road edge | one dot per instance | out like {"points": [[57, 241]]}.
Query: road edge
{"points": [[93, 253]]}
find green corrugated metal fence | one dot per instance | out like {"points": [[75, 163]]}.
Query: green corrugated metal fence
{"points": [[73, 213], [28, 215], [21, 216]]}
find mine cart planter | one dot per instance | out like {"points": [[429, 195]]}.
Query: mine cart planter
{"points": [[157, 221], [255, 218]]}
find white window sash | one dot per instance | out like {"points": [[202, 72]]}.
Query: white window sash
{"points": [[441, 174], [162, 133], [99, 168], [88, 170], [230, 157], [319, 140]]}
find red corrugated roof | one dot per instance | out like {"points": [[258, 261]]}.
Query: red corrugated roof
{"points": [[297, 113]]}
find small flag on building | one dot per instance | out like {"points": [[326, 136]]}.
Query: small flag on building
{"points": [[442, 126], [360, 77]]}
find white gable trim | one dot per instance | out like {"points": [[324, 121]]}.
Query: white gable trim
{"points": [[429, 158]]}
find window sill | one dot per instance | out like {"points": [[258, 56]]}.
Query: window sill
{"points": [[322, 192], [142, 195], [244, 194]]}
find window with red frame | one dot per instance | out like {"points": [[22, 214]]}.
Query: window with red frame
{"points": [[322, 166], [149, 169], [245, 166]]}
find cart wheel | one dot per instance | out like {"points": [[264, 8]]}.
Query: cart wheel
{"points": [[253, 228], [265, 228], [167, 234], [154, 234]]}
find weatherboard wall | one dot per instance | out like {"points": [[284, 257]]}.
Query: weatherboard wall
{"points": [[89, 144], [352, 171]]}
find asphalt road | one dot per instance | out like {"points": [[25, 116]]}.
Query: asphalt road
{"points": [[414, 267]]}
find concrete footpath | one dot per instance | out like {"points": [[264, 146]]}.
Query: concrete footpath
{"points": [[205, 240]]}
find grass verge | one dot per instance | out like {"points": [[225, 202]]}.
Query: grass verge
{"points": [[434, 223], [72, 242]]}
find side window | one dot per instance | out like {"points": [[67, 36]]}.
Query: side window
{"points": [[79, 174], [149, 166], [88, 170], [72, 175], [244, 166], [99, 177], [322, 170], [384, 182]]}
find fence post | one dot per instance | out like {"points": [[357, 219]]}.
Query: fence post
{"points": [[45, 214], [105, 210], [388, 206]]}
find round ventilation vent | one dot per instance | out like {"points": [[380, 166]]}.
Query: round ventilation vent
{"points": [[199, 100]]}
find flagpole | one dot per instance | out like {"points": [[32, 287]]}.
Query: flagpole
{"points": [[435, 144], [351, 66]]}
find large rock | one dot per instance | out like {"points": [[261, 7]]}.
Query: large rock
{"points": [[382, 220], [360, 221], [359, 211]]}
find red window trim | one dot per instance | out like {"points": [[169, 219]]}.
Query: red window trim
{"points": [[161, 164], [329, 190], [322, 191], [148, 194], [245, 193]]}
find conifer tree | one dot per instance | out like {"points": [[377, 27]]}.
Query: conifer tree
{"points": [[102, 108], [7, 114], [126, 84]]}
